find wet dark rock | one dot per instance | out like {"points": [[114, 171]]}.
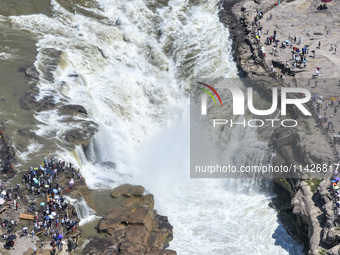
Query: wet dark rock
{"points": [[271, 205], [32, 73], [286, 138], [7, 156], [73, 75], [6, 149], [28, 102], [80, 136], [72, 110], [118, 22]]}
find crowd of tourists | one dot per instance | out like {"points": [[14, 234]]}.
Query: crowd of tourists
{"points": [[49, 212], [325, 108]]}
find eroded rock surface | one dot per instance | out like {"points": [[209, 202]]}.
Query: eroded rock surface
{"points": [[71, 109], [32, 73], [133, 227]]}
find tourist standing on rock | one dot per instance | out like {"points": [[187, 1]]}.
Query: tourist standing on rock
{"points": [[317, 73], [32, 233], [313, 51], [319, 44], [329, 124]]}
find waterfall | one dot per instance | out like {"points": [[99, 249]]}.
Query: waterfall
{"points": [[84, 212], [135, 61]]}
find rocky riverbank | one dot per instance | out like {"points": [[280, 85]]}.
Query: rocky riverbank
{"points": [[133, 226], [38, 207], [305, 203]]}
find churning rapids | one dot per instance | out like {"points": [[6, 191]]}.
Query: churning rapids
{"points": [[130, 64]]}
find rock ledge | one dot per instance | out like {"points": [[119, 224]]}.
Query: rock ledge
{"points": [[132, 227]]}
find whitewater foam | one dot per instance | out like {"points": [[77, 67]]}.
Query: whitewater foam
{"points": [[84, 212]]}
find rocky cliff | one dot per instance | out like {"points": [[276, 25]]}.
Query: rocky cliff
{"points": [[133, 226], [305, 204]]}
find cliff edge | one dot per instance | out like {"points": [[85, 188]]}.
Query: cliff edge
{"points": [[133, 226], [268, 41]]}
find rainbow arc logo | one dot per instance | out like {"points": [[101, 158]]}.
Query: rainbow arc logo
{"points": [[209, 93]]}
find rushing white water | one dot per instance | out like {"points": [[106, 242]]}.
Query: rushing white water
{"points": [[84, 212], [135, 61], [31, 148]]}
